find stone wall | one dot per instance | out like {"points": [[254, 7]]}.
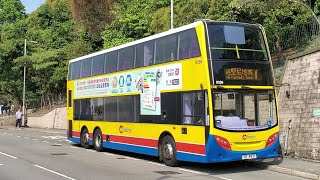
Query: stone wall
{"points": [[302, 80], [56, 119]]}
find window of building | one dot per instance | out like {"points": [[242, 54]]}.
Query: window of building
{"points": [[166, 49], [188, 44], [98, 65], [126, 58], [111, 62]]}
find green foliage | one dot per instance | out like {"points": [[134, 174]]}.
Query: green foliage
{"points": [[51, 26], [10, 11], [132, 21]]}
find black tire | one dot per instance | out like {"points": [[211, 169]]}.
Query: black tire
{"points": [[98, 140], [169, 151], [84, 140]]}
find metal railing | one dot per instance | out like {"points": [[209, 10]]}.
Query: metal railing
{"points": [[297, 37]]}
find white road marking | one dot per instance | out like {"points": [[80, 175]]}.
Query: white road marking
{"points": [[109, 154], [60, 140], [74, 147], [9, 134], [54, 172], [8, 155], [223, 178], [26, 137], [18, 136], [156, 163], [202, 173], [57, 144], [192, 171], [35, 139], [53, 132], [90, 150], [54, 137], [45, 141], [1, 164], [135, 159]]}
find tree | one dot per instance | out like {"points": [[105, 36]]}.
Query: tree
{"points": [[132, 21], [10, 11]]}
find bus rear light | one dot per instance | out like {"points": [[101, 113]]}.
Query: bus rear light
{"points": [[272, 139], [222, 142]]}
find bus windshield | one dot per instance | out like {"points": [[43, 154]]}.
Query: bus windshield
{"points": [[244, 110], [235, 41]]}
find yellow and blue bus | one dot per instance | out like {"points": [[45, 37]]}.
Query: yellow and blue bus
{"points": [[203, 92]]}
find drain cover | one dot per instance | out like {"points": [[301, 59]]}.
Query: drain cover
{"points": [[59, 154], [166, 172]]}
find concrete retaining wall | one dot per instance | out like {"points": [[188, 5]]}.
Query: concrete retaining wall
{"points": [[56, 119], [302, 80]]}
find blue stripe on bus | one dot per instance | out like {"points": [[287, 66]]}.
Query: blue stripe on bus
{"points": [[215, 153], [77, 140], [74, 139], [131, 148], [181, 156]]}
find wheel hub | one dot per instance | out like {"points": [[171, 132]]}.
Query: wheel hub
{"points": [[86, 138], [98, 140], [168, 151]]}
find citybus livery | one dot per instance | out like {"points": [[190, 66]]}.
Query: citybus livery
{"points": [[203, 92]]}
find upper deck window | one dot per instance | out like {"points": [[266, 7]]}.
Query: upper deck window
{"points": [[231, 41], [166, 49], [98, 65], [188, 44], [86, 68]]}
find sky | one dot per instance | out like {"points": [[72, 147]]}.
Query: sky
{"points": [[31, 5]]}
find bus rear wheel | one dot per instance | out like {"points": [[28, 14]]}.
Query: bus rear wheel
{"points": [[97, 140], [169, 151], [84, 140]]}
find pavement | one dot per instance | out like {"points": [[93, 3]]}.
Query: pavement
{"points": [[291, 166]]}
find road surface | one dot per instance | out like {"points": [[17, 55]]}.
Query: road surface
{"points": [[28, 154]]}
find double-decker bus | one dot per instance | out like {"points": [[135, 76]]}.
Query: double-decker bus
{"points": [[203, 92]]}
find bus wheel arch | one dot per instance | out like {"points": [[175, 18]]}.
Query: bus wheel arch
{"points": [[167, 150], [84, 137], [97, 139]]}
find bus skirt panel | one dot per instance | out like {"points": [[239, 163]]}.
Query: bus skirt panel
{"points": [[215, 153]]}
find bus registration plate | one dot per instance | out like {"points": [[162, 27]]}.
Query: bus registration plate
{"points": [[249, 156]]}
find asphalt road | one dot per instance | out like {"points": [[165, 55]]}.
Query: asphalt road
{"points": [[29, 154]]}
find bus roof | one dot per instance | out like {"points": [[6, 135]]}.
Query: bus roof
{"points": [[171, 31]]}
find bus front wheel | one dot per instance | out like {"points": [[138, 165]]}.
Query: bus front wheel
{"points": [[169, 151], [84, 141], [97, 140]]}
